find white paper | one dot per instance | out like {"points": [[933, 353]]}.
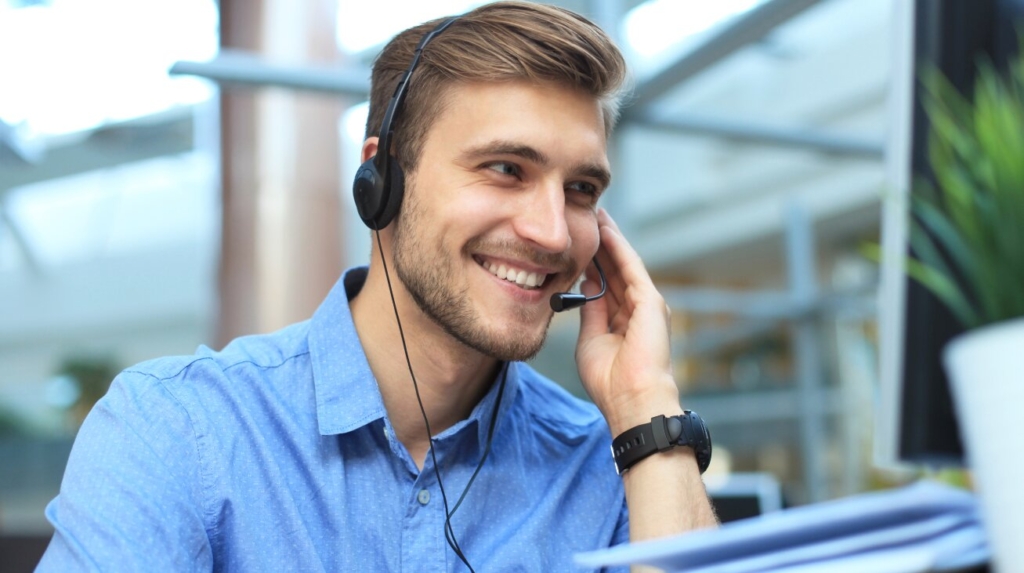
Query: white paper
{"points": [[903, 524]]}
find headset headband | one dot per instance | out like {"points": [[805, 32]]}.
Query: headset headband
{"points": [[384, 141]]}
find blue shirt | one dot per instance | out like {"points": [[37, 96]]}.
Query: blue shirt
{"points": [[276, 454]]}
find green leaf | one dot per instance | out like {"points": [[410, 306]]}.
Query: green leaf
{"points": [[871, 252], [935, 221], [945, 290], [998, 121], [969, 227], [927, 253]]}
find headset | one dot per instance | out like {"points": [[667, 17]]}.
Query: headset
{"points": [[380, 183], [378, 190]]}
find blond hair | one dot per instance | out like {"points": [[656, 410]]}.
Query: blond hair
{"points": [[499, 42]]}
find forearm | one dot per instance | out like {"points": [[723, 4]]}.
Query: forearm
{"points": [[666, 496], [664, 491]]}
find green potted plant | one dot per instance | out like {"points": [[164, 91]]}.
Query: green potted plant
{"points": [[968, 237]]}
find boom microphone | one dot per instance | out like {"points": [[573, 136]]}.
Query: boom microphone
{"points": [[566, 300]]}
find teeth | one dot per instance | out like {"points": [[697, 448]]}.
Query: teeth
{"points": [[521, 278]]}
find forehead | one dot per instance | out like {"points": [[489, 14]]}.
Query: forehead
{"points": [[562, 122]]}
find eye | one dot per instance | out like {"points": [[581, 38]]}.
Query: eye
{"points": [[504, 168], [588, 189]]}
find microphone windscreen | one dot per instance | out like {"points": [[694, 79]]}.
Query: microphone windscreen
{"points": [[567, 300]]}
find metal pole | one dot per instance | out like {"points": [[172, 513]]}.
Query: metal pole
{"points": [[747, 132], [807, 350], [747, 29], [242, 68]]}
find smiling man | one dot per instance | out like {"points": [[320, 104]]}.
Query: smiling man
{"points": [[398, 429]]}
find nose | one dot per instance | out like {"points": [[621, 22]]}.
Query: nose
{"points": [[540, 218]]}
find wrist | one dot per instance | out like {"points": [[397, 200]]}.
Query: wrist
{"points": [[629, 411], [660, 435]]}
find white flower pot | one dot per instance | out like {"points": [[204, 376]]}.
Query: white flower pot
{"points": [[986, 370]]}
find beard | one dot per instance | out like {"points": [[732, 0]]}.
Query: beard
{"points": [[429, 275]]}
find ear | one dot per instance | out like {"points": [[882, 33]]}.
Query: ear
{"points": [[369, 149]]}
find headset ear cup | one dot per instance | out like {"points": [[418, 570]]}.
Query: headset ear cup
{"points": [[396, 191], [367, 190]]}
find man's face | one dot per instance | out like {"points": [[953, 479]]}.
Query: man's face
{"points": [[501, 211]]}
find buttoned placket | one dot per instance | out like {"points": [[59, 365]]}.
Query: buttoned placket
{"points": [[423, 543]]}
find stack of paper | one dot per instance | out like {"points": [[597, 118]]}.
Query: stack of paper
{"points": [[922, 527]]}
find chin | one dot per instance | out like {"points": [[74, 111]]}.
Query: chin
{"points": [[516, 350], [516, 343]]}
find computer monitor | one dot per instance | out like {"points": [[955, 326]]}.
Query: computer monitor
{"points": [[916, 420], [741, 495]]}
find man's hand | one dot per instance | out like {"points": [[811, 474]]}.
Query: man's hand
{"points": [[624, 350], [625, 363]]}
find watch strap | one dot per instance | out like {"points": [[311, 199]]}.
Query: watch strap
{"points": [[661, 434]]}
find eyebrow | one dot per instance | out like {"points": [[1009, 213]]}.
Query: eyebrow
{"points": [[506, 148], [533, 155], [594, 171]]}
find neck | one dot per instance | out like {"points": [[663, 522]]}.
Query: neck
{"points": [[452, 378]]}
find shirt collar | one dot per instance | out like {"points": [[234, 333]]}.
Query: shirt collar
{"points": [[347, 396], [483, 413]]}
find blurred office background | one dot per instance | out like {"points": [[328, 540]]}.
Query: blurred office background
{"points": [[143, 213]]}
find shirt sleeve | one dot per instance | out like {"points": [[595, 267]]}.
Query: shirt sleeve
{"points": [[621, 536], [622, 527], [131, 497]]}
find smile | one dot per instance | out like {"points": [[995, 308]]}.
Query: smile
{"points": [[524, 279]]}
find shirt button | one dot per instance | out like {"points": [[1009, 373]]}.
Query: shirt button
{"points": [[423, 497]]}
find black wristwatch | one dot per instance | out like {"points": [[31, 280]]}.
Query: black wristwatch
{"points": [[660, 435]]}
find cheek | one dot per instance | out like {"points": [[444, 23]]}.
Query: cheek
{"points": [[586, 236], [477, 209]]}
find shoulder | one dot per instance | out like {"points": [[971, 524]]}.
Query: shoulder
{"points": [[259, 351], [564, 442], [175, 374], [207, 392], [553, 408], [187, 409]]}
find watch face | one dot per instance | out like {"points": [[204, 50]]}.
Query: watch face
{"points": [[702, 437]]}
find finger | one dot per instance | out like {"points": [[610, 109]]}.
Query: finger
{"points": [[594, 314], [613, 278], [617, 310], [624, 258], [605, 218], [613, 283], [618, 283], [634, 287]]}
